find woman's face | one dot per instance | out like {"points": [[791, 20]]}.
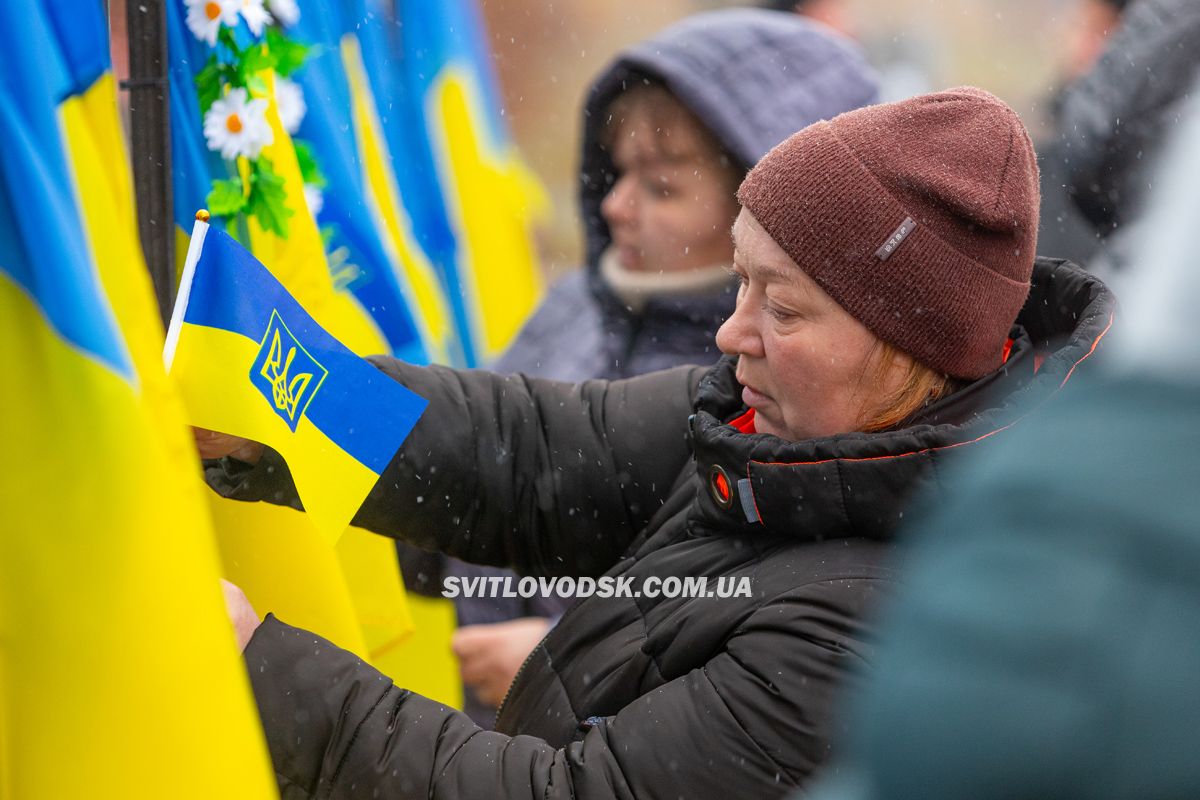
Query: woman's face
{"points": [[809, 368], [673, 199]]}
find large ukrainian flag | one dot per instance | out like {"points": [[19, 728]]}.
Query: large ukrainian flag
{"points": [[115, 653], [367, 224], [383, 217], [353, 594], [252, 362], [489, 197]]}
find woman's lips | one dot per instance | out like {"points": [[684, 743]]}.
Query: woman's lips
{"points": [[754, 398]]}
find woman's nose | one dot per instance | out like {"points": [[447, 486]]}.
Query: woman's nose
{"points": [[738, 335], [618, 205]]}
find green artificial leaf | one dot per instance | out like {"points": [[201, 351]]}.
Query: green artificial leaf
{"points": [[289, 55], [226, 197], [268, 199], [253, 61], [226, 39], [208, 84], [256, 86], [310, 170]]}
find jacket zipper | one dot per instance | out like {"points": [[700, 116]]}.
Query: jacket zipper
{"points": [[636, 324], [503, 703]]}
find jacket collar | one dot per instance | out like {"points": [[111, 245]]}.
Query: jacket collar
{"points": [[860, 484]]}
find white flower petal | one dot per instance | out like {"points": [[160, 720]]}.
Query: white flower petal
{"points": [[289, 99], [256, 15], [314, 199], [236, 126], [205, 18], [286, 11]]}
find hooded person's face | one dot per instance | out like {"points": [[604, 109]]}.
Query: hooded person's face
{"points": [[673, 200], [809, 368]]}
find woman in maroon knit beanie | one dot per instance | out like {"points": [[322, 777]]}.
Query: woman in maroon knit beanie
{"points": [[883, 257], [897, 241]]}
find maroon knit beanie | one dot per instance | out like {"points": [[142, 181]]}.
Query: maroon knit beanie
{"points": [[918, 217]]}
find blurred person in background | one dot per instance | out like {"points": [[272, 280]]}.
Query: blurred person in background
{"points": [[891, 313], [1116, 117], [1064, 231], [670, 128], [829, 12], [905, 59], [1090, 23], [1045, 643]]}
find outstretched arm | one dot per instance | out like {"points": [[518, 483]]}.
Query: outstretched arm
{"points": [[551, 478]]}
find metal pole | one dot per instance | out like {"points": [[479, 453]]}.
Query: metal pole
{"points": [[150, 143]]}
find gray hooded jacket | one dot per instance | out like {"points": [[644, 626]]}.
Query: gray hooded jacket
{"points": [[753, 78]]}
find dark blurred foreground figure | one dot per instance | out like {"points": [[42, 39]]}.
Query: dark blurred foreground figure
{"points": [[1115, 118], [1046, 644], [890, 315], [670, 128]]}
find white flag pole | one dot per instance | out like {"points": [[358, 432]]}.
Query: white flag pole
{"points": [[199, 231]]}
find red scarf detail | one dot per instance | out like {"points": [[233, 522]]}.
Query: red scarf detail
{"points": [[745, 423]]}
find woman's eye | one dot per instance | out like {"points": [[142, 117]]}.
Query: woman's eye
{"points": [[658, 186], [779, 314]]}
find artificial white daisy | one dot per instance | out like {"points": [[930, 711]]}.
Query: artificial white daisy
{"points": [[289, 99], [286, 11], [237, 126], [256, 15], [205, 18], [314, 198]]}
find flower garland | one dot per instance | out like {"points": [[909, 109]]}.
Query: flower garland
{"points": [[234, 100]]}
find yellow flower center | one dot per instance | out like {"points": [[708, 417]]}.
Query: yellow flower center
{"points": [[212, 10], [233, 123]]}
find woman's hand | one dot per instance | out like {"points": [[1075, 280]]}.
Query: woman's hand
{"points": [[491, 655], [241, 613], [214, 444]]}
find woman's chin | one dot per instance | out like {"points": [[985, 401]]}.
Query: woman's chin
{"points": [[764, 424]]}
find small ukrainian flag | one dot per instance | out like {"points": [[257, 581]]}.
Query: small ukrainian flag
{"points": [[250, 361]]}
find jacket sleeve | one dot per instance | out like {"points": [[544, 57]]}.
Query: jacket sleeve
{"points": [[752, 722], [548, 477]]}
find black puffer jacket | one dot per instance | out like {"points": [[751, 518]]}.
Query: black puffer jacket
{"points": [[638, 697], [751, 78]]}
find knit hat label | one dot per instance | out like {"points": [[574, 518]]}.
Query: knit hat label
{"points": [[898, 236]]}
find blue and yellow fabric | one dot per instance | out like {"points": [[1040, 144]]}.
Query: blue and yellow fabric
{"points": [[276, 554], [489, 197], [109, 598], [251, 361], [369, 230], [377, 244]]}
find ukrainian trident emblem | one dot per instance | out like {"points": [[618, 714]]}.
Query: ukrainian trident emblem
{"points": [[286, 374]]}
